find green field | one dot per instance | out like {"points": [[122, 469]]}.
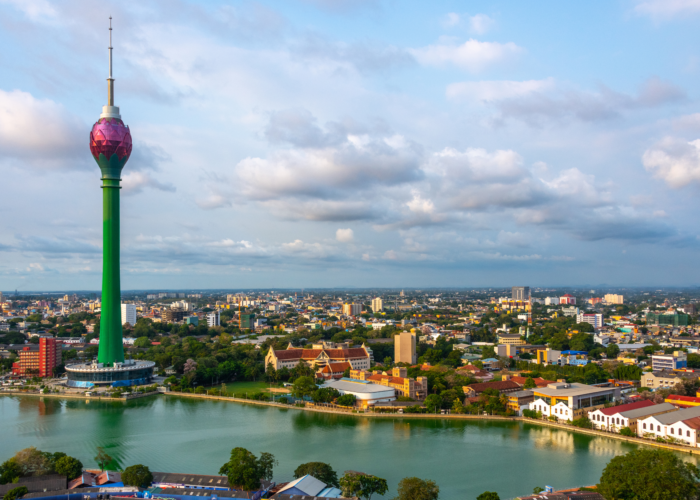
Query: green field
{"points": [[250, 387]]}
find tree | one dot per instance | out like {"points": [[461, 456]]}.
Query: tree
{"points": [[142, 342], [433, 403], [304, 386], [413, 488], [488, 495], [137, 475], [530, 383], [537, 490], [245, 471], [346, 400], [319, 470], [362, 485], [10, 471], [612, 351], [69, 467], [649, 475], [33, 462], [325, 395], [102, 458], [15, 493]]}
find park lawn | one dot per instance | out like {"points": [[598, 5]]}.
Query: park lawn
{"points": [[250, 387]]}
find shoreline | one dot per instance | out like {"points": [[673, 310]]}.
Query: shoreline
{"points": [[525, 420]]}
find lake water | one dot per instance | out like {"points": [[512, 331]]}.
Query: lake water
{"points": [[174, 434]]}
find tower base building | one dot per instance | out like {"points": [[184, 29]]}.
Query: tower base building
{"points": [[130, 372]]}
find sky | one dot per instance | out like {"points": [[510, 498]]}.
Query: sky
{"points": [[365, 143]]}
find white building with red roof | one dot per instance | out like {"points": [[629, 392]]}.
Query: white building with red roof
{"points": [[567, 299], [615, 418], [680, 425]]}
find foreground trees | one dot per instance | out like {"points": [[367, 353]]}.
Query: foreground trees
{"points": [[34, 462], [649, 475], [413, 488], [137, 475], [319, 470], [245, 471], [360, 485]]}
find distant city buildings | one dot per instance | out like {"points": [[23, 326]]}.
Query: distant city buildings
{"points": [[358, 357], [405, 347], [595, 319], [612, 298], [39, 362], [567, 299], [352, 309], [667, 319], [521, 293], [129, 314], [675, 361], [377, 305], [214, 319]]}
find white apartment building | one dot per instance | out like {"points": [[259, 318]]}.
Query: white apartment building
{"points": [[214, 319], [377, 305], [551, 301], [182, 305], [128, 314], [612, 298], [681, 425], [571, 401], [593, 319], [615, 418]]}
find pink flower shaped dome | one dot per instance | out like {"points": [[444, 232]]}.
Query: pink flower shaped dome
{"points": [[110, 136]]}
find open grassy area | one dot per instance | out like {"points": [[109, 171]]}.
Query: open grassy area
{"points": [[250, 387]]}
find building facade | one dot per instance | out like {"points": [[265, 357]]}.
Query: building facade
{"points": [[615, 418], [612, 298], [675, 361], [665, 379], [413, 388], [596, 320], [520, 293], [377, 305], [352, 309], [667, 319], [405, 348], [566, 401], [214, 319], [358, 357], [41, 362], [129, 314], [567, 299]]}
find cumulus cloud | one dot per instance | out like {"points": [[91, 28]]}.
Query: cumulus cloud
{"points": [[478, 24], [473, 55], [675, 161], [344, 235], [40, 132]]}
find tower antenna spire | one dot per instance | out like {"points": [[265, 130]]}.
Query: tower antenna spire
{"points": [[110, 89]]}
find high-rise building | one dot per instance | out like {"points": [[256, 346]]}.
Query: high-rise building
{"points": [[669, 319], [214, 319], [1, 297], [521, 293], [173, 315], [110, 145], [352, 309], [129, 314], [377, 305], [594, 319], [612, 298], [405, 348], [567, 299], [39, 362]]}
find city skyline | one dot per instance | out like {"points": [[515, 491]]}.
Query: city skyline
{"points": [[338, 144]]}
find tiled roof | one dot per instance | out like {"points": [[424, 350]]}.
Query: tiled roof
{"points": [[693, 423], [389, 378], [539, 381], [502, 385], [353, 352], [336, 367], [613, 410], [686, 399]]}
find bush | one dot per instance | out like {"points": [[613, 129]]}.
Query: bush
{"points": [[346, 400], [15, 493], [583, 422], [200, 390], [626, 431]]}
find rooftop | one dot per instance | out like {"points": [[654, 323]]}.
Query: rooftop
{"points": [[569, 390]]}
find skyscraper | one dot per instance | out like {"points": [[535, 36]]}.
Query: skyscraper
{"points": [[521, 293], [377, 305], [405, 347], [110, 145]]}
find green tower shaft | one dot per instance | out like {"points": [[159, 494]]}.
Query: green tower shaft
{"points": [[111, 346]]}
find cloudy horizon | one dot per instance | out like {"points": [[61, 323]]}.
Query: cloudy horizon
{"points": [[354, 143]]}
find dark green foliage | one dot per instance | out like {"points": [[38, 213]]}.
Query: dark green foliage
{"points": [[69, 467], [583, 422], [245, 471], [324, 395], [9, 471], [15, 493], [304, 386], [488, 495], [137, 475], [646, 474], [627, 372], [413, 488], [319, 470], [362, 485], [346, 400], [626, 431]]}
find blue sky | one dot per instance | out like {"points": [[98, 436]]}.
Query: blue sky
{"points": [[307, 143]]}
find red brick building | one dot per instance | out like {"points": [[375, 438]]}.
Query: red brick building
{"points": [[40, 363]]}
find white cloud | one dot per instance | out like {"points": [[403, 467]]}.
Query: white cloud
{"points": [[391, 255], [665, 9], [136, 182], [675, 161], [344, 235], [40, 132], [473, 56], [480, 23], [497, 90]]}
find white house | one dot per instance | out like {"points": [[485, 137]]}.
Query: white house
{"points": [[681, 425], [615, 418], [571, 401]]}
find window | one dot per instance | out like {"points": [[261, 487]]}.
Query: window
{"points": [[644, 426], [658, 428], [671, 430], [688, 433]]}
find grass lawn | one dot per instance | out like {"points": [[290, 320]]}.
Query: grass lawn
{"points": [[250, 387]]}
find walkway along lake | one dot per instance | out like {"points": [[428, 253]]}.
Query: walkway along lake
{"points": [[186, 435]]}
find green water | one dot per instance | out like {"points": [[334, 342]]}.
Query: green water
{"points": [[186, 435]]}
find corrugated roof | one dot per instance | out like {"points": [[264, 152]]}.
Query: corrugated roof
{"points": [[677, 416], [613, 410]]}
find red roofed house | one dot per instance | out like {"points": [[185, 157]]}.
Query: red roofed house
{"points": [[503, 387], [476, 372], [680, 425], [358, 357], [539, 381], [567, 299], [615, 418], [413, 388], [92, 479], [333, 371]]}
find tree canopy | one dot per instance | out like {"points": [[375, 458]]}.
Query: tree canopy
{"points": [[245, 470], [321, 471], [362, 485], [649, 475], [413, 488], [137, 475]]}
